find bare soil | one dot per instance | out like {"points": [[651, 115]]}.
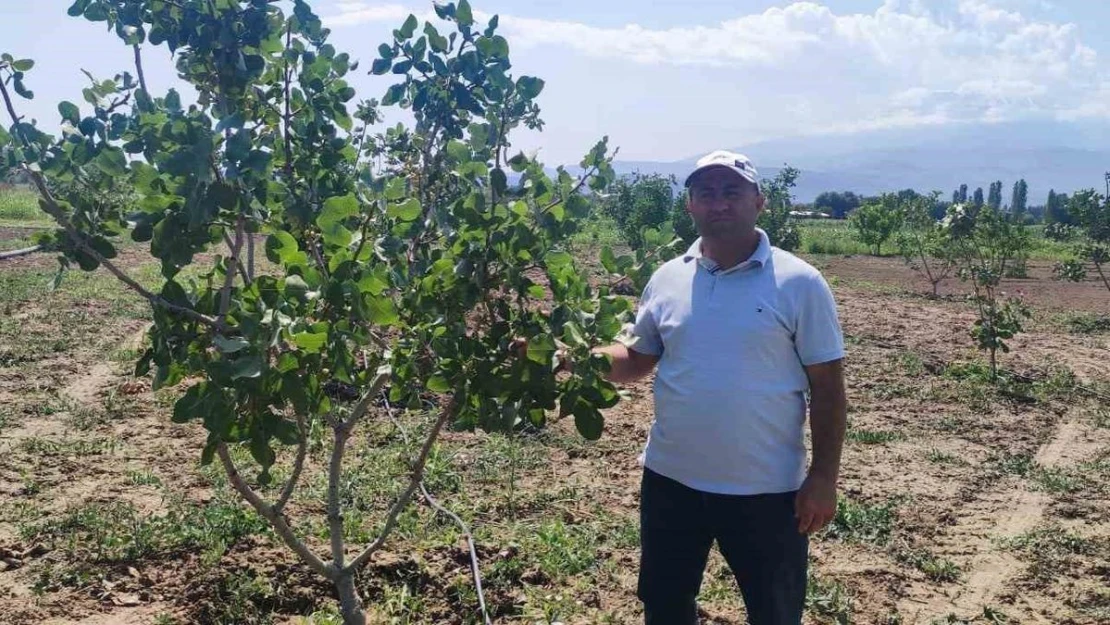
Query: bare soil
{"points": [[996, 497]]}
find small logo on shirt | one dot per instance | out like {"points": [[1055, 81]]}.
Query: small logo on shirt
{"points": [[759, 309]]}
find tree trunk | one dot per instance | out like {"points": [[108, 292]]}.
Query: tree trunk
{"points": [[350, 604]]}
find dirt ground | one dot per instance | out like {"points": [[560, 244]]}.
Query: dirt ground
{"points": [[962, 501]]}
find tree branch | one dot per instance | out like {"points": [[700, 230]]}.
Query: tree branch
{"points": [[139, 68], [414, 483], [298, 466], [335, 518], [50, 205], [276, 520], [229, 274]]}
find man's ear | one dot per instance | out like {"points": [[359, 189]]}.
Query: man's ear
{"points": [[760, 203]]}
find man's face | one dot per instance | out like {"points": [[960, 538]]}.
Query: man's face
{"points": [[722, 204]]}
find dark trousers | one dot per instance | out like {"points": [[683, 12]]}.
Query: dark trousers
{"points": [[758, 536]]}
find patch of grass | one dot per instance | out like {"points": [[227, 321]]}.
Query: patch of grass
{"points": [[911, 363], [1012, 464], [1086, 322], [861, 522], [242, 597], [1057, 481], [874, 437], [1050, 551], [38, 446], [934, 567], [97, 532], [21, 205], [989, 616], [829, 599], [562, 550], [143, 478], [937, 456], [1093, 603]]}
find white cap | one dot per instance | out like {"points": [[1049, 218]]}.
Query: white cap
{"points": [[731, 160]]}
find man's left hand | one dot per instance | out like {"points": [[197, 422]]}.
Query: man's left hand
{"points": [[815, 503]]}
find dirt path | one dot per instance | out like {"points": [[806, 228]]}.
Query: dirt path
{"points": [[1007, 509]]}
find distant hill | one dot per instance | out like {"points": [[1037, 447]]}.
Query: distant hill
{"points": [[1049, 155]]}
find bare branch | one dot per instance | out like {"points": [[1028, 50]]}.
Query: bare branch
{"points": [[414, 483], [298, 466], [229, 273], [335, 516], [139, 68], [276, 520], [250, 258]]}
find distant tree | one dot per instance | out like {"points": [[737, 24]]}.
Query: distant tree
{"points": [[959, 196], [639, 201], [680, 217], [922, 241], [775, 219], [1091, 214], [977, 200], [984, 244], [837, 204], [994, 197], [1018, 199], [1056, 209], [875, 222]]}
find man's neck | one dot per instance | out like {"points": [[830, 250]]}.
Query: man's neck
{"points": [[730, 251]]}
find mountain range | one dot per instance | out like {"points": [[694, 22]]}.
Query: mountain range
{"points": [[1065, 156]]}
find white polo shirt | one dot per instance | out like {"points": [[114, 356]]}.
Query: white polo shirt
{"points": [[730, 390]]}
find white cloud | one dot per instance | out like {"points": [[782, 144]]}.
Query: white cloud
{"points": [[908, 62]]}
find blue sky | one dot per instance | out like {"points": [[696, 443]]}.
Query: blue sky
{"points": [[669, 79]]}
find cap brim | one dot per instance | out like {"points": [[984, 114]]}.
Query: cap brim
{"points": [[739, 172]]}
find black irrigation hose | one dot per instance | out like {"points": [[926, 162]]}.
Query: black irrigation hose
{"points": [[454, 517]]}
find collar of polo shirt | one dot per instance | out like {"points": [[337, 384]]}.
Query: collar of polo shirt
{"points": [[760, 256]]}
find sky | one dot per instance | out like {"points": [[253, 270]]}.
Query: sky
{"points": [[669, 79]]}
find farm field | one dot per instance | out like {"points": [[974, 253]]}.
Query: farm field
{"points": [[962, 501]]}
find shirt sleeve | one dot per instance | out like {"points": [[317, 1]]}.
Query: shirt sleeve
{"points": [[645, 332], [817, 336]]}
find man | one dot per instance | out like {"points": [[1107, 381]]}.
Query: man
{"points": [[741, 331]]}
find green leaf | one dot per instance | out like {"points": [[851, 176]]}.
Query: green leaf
{"points": [[463, 14], [536, 291], [556, 260], [394, 94], [609, 260], [382, 311], [408, 210], [311, 342], [282, 248], [296, 287], [541, 349], [380, 66], [572, 335], [409, 27], [248, 366], [23, 92], [70, 112], [438, 384], [112, 162], [529, 86], [230, 345], [588, 421], [23, 65]]}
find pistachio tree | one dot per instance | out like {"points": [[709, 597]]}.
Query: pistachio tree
{"points": [[984, 243], [305, 246], [1091, 213]]}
